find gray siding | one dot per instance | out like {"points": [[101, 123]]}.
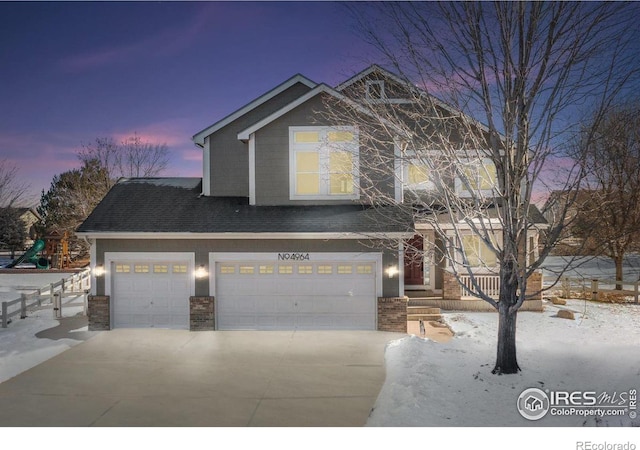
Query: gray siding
{"points": [[229, 162], [202, 247], [272, 158]]}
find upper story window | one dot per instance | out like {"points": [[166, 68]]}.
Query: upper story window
{"points": [[480, 178], [418, 176], [478, 253], [323, 163], [375, 90]]}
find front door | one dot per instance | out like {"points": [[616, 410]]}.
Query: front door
{"points": [[414, 261]]}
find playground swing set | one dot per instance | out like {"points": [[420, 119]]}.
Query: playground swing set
{"points": [[51, 252]]}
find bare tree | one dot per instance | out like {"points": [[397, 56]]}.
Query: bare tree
{"points": [[495, 90], [12, 190], [609, 216], [131, 158]]}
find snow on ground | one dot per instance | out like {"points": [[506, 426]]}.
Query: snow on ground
{"points": [[14, 284], [20, 349], [432, 384]]}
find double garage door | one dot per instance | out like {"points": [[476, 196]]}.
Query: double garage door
{"points": [[250, 294], [296, 295]]}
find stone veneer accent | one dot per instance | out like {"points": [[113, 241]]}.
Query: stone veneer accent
{"points": [[451, 289], [534, 287], [201, 313], [392, 314], [99, 312]]}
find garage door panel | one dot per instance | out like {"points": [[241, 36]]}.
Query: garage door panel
{"points": [[237, 322], [151, 294], [243, 287], [285, 305], [283, 321], [160, 303], [142, 286], [240, 303], [322, 295]]}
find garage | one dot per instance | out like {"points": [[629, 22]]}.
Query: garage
{"points": [[307, 294], [150, 292]]}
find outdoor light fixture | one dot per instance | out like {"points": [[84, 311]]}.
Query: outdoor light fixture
{"points": [[98, 270], [392, 271], [201, 272]]}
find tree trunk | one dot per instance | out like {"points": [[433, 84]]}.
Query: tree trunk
{"points": [[506, 360], [619, 261]]}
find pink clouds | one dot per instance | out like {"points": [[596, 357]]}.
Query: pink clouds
{"points": [[171, 132], [41, 156], [185, 157], [166, 42]]}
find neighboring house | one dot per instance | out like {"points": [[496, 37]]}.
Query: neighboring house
{"points": [[567, 205], [30, 217], [277, 234]]}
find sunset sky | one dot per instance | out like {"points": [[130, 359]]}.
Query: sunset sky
{"points": [[74, 71]]}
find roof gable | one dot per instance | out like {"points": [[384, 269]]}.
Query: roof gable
{"points": [[199, 137], [320, 89], [368, 72], [414, 91]]}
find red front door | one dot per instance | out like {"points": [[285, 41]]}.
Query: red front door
{"points": [[414, 261]]}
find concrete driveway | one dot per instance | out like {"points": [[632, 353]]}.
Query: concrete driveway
{"points": [[181, 378]]}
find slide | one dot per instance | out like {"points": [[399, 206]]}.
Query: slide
{"points": [[31, 255]]}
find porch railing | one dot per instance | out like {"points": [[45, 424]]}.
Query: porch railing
{"points": [[489, 284]]}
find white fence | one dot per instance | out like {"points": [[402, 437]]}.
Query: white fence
{"points": [[489, 284], [76, 285], [586, 287], [590, 288]]}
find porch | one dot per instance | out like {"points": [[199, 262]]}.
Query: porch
{"points": [[453, 297]]}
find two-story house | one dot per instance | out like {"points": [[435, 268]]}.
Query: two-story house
{"points": [[277, 234]]}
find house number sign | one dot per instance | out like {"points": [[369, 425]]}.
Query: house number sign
{"points": [[293, 257]]}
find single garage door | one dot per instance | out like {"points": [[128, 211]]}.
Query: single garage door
{"points": [[150, 294], [296, 295]]}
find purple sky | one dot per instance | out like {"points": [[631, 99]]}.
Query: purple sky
{"points": [[71, 72]]}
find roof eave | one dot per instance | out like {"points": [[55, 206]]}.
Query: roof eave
{"points": [[199, 137], [242, 235]]}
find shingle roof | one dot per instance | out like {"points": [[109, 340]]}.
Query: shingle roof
{"points": [[175, 205]]}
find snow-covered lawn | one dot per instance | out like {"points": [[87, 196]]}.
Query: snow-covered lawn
{"points": [[432, 384], [20, 349]]}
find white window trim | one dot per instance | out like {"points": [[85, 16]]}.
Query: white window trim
{"points": [[323, 196], [206, 168], [426, 186], [402, 171], [398, 185], [380, 84], [252, 169], [482, 264], [461, 190]]}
